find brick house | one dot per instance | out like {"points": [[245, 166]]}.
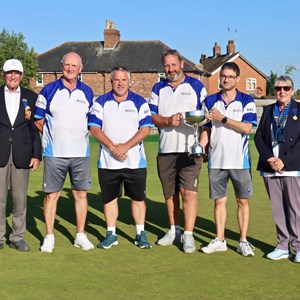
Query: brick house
{"points": [[142, 58], [252, 80]]}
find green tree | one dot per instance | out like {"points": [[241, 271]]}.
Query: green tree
{"points": [[270, 84], [289, 70], [13, 46]]}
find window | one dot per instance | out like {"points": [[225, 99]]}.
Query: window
{"points": [[161, 77], [79, 77], [251, 84], [39, 79]]}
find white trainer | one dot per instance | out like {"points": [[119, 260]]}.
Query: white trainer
{"points": [[245, 248], [48, 244], [81, 241], [214, 246], [170, 238], [188, 243]]}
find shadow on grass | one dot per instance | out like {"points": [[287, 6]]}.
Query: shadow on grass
{"points": [[156, 220]]}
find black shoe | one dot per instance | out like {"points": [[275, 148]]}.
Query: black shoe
{"points": [[1, 245], [19, 245]]}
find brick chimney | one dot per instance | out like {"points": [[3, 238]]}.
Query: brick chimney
{"points": [[111, 35], [216, 50], [203, 57], [230, 47]]}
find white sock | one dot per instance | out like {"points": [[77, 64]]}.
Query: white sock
{"points": [[49, 236], [113, 229], [79, 234], [139, 228], [188, 232]]}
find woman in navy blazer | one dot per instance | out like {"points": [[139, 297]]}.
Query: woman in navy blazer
{"points": [[277, 140], [20, 150]]}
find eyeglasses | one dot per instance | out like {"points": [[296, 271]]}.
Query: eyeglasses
{"points": [[228, 77], [285, 88]]}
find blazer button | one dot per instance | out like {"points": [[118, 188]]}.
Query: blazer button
{"points": [[10, 140]]}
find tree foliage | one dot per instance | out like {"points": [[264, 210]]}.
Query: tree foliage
{"points": [[270, 84], [13, 46], [289, 70]]}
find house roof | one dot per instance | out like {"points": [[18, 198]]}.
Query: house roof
{"points": [[213, 63], [137, 56]]}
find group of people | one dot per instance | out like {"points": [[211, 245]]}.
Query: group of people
{"points": [[64, 113]]}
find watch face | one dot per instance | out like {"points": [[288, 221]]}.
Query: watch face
{"points": [[224, 120]]}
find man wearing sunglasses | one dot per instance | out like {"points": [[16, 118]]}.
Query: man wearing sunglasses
{"points": [[278, 142], [232, 115]]}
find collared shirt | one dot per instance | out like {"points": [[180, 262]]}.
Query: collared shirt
{"points": [[12, 102], [229, 149]]}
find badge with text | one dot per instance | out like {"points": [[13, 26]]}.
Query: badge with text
{"points": [[27, 109]]}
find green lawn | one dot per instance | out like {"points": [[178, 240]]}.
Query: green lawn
{"points": [[127, 272]]}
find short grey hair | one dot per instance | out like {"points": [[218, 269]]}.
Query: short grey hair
{"points": [[119, 68]]}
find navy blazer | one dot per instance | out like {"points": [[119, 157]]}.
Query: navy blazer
{"points": [[22, 136], [289, 151]]}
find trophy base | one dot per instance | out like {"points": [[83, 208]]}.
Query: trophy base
{"points": [[197, 151]]}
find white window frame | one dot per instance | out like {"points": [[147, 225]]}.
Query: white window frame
{"points": [[39, 80], [251, 84], [79, 77], [161, 76]]}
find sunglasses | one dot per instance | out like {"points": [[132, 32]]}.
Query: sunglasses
{"points": [[285, 88]]}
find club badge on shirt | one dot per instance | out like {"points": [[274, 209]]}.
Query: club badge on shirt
{"points": [[26, 109]]}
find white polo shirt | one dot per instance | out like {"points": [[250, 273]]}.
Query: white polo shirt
{"points": [[166, 101], [65, 132], [120, 121], [229, 149]]}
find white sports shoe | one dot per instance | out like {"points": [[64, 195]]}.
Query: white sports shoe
{"points": [[170, 238], [245, 248], [214, 246], [188, 243], [81, 241], [48, 244]]}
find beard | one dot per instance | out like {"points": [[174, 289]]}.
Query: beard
{"points": [[174, 77]]}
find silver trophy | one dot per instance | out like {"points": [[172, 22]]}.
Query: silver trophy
{"points": [[196, 119]]}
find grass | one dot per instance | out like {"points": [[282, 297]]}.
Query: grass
{"points": [[126, 272]]}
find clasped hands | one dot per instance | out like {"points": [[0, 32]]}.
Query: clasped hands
{"points": [[276, 164], [119, 151]]}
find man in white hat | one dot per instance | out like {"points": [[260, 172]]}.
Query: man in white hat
{"points": [[20, 150]]}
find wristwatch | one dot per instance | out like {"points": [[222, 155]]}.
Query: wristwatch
{"points": [[224, 120]]}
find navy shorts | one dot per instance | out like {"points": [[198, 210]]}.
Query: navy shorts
{"points": [[112, 181]]}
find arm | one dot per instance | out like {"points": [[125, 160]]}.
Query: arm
{"points": [[238, 126], [120, 150], [161, 121], [40, 124]]}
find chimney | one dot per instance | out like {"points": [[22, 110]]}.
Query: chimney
{"points": [[111, 35], [203, 57], [216, 50], [230, 47]]}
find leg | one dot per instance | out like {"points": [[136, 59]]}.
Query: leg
{"points": [[18, 187], [243, 213], [50, 205], [173, 205], [111, 212], [138, 211], [190, 208], [220, 215], [81, 207], [4, 182]]}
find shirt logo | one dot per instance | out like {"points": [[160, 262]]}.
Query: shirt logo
{"points": [[80, 101], [130, 110], [186, 93]]}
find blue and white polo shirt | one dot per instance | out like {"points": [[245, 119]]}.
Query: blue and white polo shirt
{"points": [[166, 101], [229, 149], [65, 132], [120, 121]]}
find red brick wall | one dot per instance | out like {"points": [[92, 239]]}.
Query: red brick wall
{"points": [[141, 83]]}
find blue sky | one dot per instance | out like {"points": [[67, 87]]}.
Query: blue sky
{"points": [[265, 32]]}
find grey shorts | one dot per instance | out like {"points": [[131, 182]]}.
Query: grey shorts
{"points": [[178, 170], [241, 181], [57, 168]]}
